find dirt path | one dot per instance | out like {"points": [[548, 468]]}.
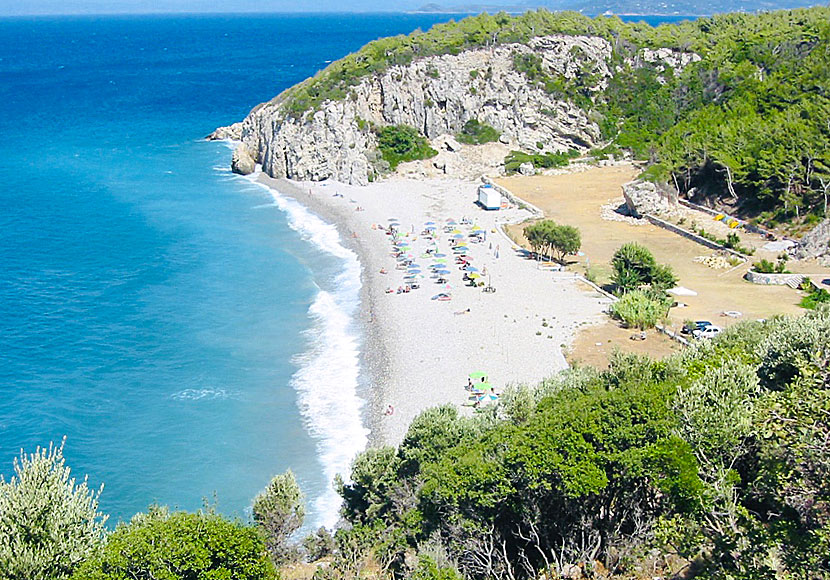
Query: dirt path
{"points": [[576, 199]]}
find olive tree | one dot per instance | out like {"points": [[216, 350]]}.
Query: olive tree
{"points": [[49, 522], [279, 511]]}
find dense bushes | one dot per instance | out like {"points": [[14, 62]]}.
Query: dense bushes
{"points": [[716, 460], [476, 133], [49, 523], [635, 266], [400, 143], [639, 309], [538, 160], [180, 546]]}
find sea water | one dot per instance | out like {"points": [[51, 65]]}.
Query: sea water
{"points": [[189, 333]]}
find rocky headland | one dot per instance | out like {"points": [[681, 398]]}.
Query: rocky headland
{"points": [[436, 95]]}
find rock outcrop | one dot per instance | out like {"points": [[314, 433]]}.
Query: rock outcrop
{"points": [[242, 162], [816, 243], [437, 95], [645, 197]]}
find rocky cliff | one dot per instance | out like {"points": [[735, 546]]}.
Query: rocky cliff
{"points": [[436, 95]]}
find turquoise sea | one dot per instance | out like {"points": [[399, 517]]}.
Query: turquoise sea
{"points": [[190, 334]]}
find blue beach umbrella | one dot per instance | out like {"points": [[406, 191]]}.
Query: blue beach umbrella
{"points": [[471, 269]]}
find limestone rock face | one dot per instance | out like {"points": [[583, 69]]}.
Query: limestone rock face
{"points": [[816, 243], [233, 132], [242, 162], [644, 197], [437, 95]]}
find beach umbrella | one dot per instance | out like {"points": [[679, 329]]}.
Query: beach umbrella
{"points": [[450, 221], [471, 268], [440, 255], [455, 231], [477, 375], [430, 223], [474, 276]]}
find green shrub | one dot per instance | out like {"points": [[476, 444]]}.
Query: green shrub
{"points": [[400, 143], [161, 544], [539, 160], [764, 266], [637, 309], [814, 298], [476, 133], [49, 522], [634, 266]]}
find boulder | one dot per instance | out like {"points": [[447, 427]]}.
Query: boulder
{"points": [[816, 243], [527, 168], [451, 144], [645, 197], [242, 162]]}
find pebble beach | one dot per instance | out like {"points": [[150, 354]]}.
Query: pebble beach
{"points": [[420, 347]]}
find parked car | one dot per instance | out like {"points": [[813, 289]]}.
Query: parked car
{"points": [[710, 331], [698, 325]]}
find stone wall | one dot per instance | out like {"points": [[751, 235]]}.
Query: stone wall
{"points": [[692, 236], [773, 279]]}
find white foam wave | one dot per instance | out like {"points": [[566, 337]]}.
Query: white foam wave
{"points": [[327, 379], [200, 394]]}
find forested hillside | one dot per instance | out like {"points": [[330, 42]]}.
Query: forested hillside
{"points": [[750, 119]]}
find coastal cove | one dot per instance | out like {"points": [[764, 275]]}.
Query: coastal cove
{"points": [[162, 314]]}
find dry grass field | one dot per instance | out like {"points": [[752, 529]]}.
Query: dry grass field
{"points": [[576, 199]]}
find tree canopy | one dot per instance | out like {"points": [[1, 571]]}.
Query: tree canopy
{"points": [[717, 455], [164, 545], [49, 522], [546, 236]]}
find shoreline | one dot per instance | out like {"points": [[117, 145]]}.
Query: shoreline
{"points": [[373, 351], [416, 352]]}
